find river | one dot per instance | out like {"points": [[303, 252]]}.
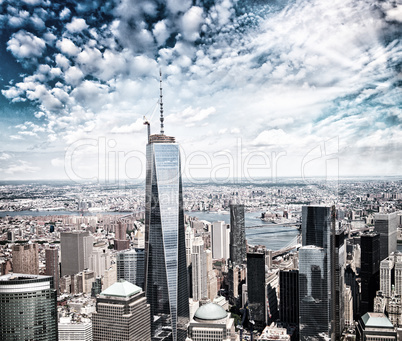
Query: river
{"points": [[274, 237]]}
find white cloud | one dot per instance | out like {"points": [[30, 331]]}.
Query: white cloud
{"points": [[57, 162], [5, 156], [26, 45], [73, 75], [77, 25], [191, 23], [394, 14], [272, 137], [21, 166], [67, 47], [65, 13], [134, 127], [191, 115]]}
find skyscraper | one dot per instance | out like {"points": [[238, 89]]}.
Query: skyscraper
{"points": [[327, 262], [26, 259], [220, 240], [386, 225], [28, 309], [76, 250], [257, 288], [237, 234], [314, 294], [122, 313], [289, 296], [370, 269], [165, 252], [52, 265], [130, 266], [199, 270]]}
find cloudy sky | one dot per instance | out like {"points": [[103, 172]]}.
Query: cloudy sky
{"points": [[250, 88]]}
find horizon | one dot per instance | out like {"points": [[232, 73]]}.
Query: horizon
{"points": [[289, 88]]}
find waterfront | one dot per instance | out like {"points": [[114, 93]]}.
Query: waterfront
{"points": [[274, 237]]}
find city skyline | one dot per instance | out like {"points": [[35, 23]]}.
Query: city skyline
{"points": [[309, 87]]}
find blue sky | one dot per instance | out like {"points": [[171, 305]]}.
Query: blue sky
{"points": [[251, 88]]}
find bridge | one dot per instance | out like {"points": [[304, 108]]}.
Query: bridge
{"points": [[297, 224], [295, 243]]}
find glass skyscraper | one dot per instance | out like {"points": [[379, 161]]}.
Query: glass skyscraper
{"points": [[28, 308], [165, 253]]}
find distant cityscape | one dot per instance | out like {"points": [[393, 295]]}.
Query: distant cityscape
{"points": [[86, 244]]}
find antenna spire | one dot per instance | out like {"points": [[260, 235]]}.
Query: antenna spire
{"points": [[160, 100]]}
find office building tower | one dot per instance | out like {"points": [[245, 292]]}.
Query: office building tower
{"points": [[319, 229], [28, 309], [121, 242], [375, 326], [220, 239], [314, 294], [289, 296], [26, 259], [189, 244], [212, 282], [122, 313], [199, 270], [386, 269], [386, 225], [211, 322], [237, 234], [100, 259], [370, 270], [165, 251], [75, 330], [76, 250], [257, 288], [52, 265], [131, 266]]}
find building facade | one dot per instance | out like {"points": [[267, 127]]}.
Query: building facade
{"points": [[52, 265], [28, 308], [131, 266], [386, 225], [26, 259], [76, 250], [199, 270], [122, 313], [165, 253], [289, 296], [220, 240], [237, 234]]}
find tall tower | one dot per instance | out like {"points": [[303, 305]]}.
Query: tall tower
{"points": [[28, 309], [237, 234], [165, 251], [52, 265], [26, 259], [199, 270], [76, 250], [386, 225]]}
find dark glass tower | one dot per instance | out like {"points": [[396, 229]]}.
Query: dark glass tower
{"points": [[28, 308], [289, 296], [370, 270], [386, 225], [237, 234], [165, 252]]}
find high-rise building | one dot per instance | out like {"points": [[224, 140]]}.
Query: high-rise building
{"points": [[52, 265], [165, 252], [257, 288], [130, 266], [220, 239], [76, 250], [100, 259], [289, 296], [318, 232], [386, 225], [122, 313], [199, 270], [375, 326], [237, 234], [28, 308], [314, 294], [212, 283], [26, 259], [370, 269]]}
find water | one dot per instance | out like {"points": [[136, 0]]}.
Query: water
{"points": [[274, 237]]}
